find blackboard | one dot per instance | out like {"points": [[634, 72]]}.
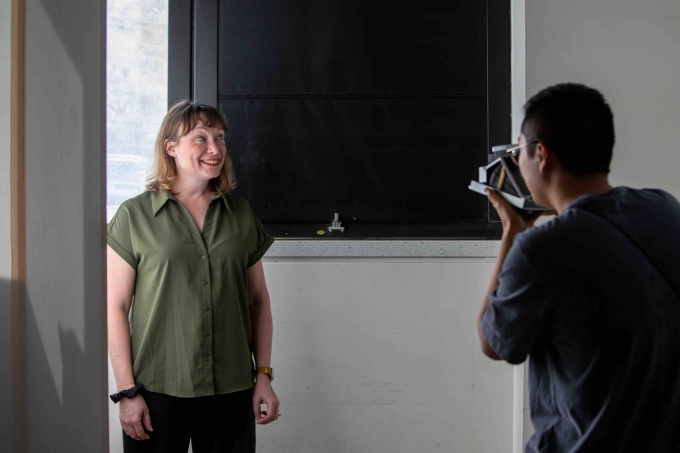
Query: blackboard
{"points": [[379, 111]]}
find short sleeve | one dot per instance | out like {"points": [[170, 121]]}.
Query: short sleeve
{"points": [[517, 309], [262, 240], [119, 236]]}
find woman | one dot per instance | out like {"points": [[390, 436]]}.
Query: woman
{"points": [[188, 307]]}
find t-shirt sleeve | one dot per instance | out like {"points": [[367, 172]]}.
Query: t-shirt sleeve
{"points": [[119, 237], [517, 309], [262, 240]]}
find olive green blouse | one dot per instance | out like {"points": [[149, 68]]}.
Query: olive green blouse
{"points": [[190, 320]]}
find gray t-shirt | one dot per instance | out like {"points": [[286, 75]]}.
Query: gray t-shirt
{"points": [[596, 308]]}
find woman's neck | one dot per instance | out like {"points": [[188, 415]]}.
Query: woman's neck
{"points": [[191, 189]]}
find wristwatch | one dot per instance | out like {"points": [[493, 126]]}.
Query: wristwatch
{"points": [[265, 370]]}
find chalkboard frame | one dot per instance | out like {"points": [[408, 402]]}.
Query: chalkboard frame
{"points": [[192, 46]]}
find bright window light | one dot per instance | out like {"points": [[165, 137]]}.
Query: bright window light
{"points": [[136, 93]]}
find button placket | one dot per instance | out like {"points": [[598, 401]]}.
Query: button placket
{"points": [[208, 311]]}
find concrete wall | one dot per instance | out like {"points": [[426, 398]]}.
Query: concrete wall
{"points": [[65, 143], [5, 257]]}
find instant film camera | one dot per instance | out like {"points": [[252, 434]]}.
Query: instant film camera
{"points": [[502, 174]]}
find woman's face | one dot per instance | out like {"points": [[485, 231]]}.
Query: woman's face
{"points": [[200, 153]]}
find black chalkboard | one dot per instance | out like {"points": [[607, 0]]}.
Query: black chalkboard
{"points": [[379, 111]]}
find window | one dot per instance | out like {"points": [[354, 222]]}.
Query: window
{"points": [[382, 115], [136, 102], [137, 75]]}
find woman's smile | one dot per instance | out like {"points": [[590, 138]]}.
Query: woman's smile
{"points": [[212, 162]]}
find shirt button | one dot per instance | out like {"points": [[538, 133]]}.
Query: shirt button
{"points": [[203, 257], [207, 359], [205, 283], [207, 334]]}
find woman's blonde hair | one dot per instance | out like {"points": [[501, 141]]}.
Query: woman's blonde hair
{"points": [[181, 119]]}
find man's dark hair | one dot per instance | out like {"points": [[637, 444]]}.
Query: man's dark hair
{"points": [[576, 123]]}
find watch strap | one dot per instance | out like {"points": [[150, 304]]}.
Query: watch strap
{"points": [[265, 370]]}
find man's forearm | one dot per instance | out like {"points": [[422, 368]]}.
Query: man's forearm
{"points": [[506, 244]]}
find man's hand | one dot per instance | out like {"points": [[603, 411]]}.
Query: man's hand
{"points": [[134, 417], [514, 220], [264, 394]]}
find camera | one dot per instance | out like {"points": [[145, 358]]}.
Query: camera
{"points": [[502, 175]]}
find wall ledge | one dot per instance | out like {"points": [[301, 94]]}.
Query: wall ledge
{"points": [[292, 248]]}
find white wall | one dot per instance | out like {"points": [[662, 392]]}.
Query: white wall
{"points": [[630, 51], [5, 257], [382, 355]]}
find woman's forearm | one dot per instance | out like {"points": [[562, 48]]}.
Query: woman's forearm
{"points": [[120, 278], [260, 315], [120, 348], [263, 330]]}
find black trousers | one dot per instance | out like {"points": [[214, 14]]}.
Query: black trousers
{"points": [[214, 424]]}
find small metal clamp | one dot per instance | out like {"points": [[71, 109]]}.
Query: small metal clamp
{"points": [[336, 225]]}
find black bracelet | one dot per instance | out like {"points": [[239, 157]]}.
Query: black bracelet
{"points": [[129, 393]]}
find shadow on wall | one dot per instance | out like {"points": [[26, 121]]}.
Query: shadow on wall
{"points": [[61, 412], [73, 417], [71, 412], [5, 362]]}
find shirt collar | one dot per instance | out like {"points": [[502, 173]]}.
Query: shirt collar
{"points": [[158, 200], [226, 201]]}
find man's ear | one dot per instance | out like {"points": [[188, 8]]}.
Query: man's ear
{"points": [[543, 157]]}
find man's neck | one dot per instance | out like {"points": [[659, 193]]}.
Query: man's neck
{"points": [[568, 187]]}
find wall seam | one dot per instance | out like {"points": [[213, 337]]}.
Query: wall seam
{"points": [[102, 219], [518, 94], [18, 225]]}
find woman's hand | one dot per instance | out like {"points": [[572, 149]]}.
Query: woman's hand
{"points": [[135, 418], [264, 394]]}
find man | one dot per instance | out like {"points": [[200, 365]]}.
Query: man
{"points": [[592, 296]]}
